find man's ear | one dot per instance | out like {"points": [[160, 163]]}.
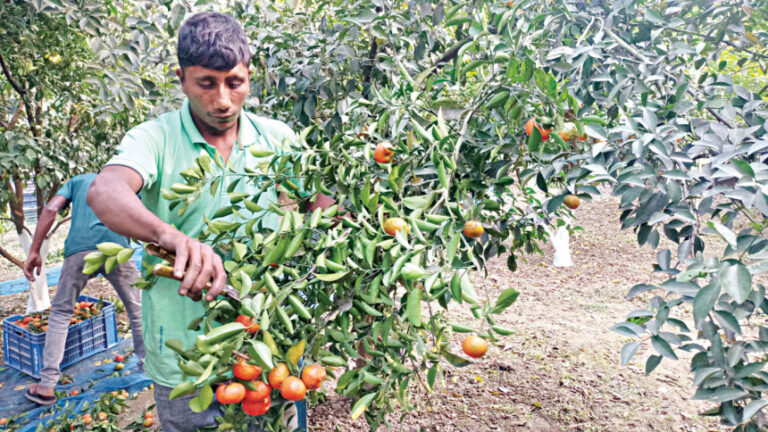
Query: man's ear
{"points": [[180, 74]]}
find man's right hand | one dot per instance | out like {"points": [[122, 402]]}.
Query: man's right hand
{"points": [[197, 263], [32, 265]]}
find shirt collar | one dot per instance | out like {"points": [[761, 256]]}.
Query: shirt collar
{"points": [[247, 133]]}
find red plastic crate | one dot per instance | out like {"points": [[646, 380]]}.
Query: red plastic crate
{"points": [[23, 350]]}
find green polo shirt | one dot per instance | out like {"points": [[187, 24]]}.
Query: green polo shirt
{"points": [[158, 151]]}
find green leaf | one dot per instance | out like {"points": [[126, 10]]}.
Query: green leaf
{"points": [[737, 282], [724, 232], [263, 355], [413, 308], [704, 301], [506, 298], [662, 347], [417, 202], [752, 408], [361, 405], [331, 277], [201, 402], [628, 351], [728, 321], [651, 363]]}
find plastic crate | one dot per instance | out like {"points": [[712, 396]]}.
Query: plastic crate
{"points": [[23, 350]]}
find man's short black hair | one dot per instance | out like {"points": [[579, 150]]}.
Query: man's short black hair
{"points": [[212, 40]]}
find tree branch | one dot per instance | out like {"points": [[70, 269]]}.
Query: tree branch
{"points": [[7, 255], [449, 55], [7, 73], [58, 224], [708, 38]]}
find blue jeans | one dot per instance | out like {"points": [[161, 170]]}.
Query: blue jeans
{"points": [[71, 283]]}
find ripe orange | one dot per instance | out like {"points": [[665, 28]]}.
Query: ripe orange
{"points": [[571, 201], [582, 137], [278, 374], [262, 392], [383, 153], [393, 225], [313, 376], [148, 421], [230, 393], [102, 415], [474, 346], [119, 358], [257, 407], [293, 389], [250, 326], [148, 414], [75, 392], [87, 419], [3, 421], [473, 229], [531, 123], [245, 371]]}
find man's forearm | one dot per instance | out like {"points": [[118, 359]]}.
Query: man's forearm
{"points": [[120, 209]]}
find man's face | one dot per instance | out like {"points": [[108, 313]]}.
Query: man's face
{"points": [[215, 97]]}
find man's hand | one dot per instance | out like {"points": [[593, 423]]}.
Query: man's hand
{"points": [[197, 263], [32, 265]]}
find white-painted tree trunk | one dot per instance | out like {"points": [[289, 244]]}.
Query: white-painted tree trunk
{"points": [[562, 244], [39, 299]]}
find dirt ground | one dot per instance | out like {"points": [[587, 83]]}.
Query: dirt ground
{"points": [[561, 370]]}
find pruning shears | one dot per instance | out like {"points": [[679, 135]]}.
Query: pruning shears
{"points": [[166, 271]]}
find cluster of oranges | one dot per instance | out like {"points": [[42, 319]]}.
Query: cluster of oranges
{"points": [[255, 395], [38, 322]]}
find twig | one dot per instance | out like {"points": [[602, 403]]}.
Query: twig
{"points": [[60, 223], [729, 43]]}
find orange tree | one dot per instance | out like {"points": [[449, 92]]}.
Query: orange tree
{"points": [[638, 89]]}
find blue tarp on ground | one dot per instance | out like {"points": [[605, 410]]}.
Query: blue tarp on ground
{"points": [[90, 379], [52, 276]]}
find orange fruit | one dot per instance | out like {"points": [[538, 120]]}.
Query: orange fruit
{"points": [[247, 321], [75, 392], [383, 153], [278, 374], [230, 393], [582, 137], [293, 389], [393, 225], [257, 407], [313, 376], [571, 201], [531, 123], [148, 421], [261, 392], [148, 414], [473, 229], [102, 415], [119, 358], [245, 371], [3, 421], [474, 346], [87, 419]]}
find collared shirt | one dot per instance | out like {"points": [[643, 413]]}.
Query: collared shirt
{"points": [[86, 230], [159, 150]]}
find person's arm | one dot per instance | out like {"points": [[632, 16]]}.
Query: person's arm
{"points": [[44, 223], [112, 196]]}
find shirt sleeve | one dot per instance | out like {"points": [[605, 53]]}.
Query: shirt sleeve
{"points": [[66, 191], [140, 151]]}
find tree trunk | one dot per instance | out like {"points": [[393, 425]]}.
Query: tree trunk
{"points": [[561, 243], [39, 299]]}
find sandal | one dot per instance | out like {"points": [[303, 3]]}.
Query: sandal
{"points": [[38, 398]]}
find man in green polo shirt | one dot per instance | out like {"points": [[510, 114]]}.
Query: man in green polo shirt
{"points": [[214, 74]]}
